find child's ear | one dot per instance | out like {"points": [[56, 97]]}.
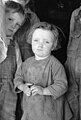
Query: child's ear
{"points": [[52, 48], [54, 45]]}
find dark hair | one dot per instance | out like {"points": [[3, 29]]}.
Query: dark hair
{"points": [[17, 7], [31, 5], [45, 26]]}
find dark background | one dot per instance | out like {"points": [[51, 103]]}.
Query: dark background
{"points": [[59, 13]]}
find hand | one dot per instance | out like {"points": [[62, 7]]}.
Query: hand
{"points": [[37, 90], [26, 89], [29, 84]]}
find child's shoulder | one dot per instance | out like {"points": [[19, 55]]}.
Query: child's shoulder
{"points": [[28, 60], [55, 61], [56, 64]]}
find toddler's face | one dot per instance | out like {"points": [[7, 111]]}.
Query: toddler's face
{"points": [[42, 42]]}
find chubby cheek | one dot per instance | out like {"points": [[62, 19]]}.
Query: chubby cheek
{"points": [[34, 47], [47, 51], [48, 48]]}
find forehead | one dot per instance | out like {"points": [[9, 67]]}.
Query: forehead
{"points": [[43, 33], [15, 16]]}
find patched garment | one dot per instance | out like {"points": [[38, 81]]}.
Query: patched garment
{"points": [[45, 73]]}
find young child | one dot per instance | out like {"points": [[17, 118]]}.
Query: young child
{"points": [[42, 77]]}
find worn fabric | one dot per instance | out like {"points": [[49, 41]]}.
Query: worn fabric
{"points": [[2, 21], [8, 97], [3, 50], [3, 47], [46, 73], [72, 95], [72, 20], [73, 65]]}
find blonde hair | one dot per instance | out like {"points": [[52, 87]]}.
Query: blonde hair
{"points": [[45, 26]]}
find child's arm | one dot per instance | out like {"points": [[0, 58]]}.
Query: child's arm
{"points": [[25, 88], [60, 81], [19, 82], [18, 55]]}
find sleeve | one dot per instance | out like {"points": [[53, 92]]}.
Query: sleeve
{"points": [[19, 79], [3, 47], [2, 21], [59, 86], [3, 50], [18, 55]]}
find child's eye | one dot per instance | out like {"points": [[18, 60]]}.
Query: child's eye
{"points": [[9, 19], [36, 40], [47, 42]]}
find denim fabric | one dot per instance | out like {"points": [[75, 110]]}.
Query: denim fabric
{"points": [[8, 97]]}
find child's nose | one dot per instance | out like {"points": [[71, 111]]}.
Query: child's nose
{"points": [[13, 26], [41, 44]]}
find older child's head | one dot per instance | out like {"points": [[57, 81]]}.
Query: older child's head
{"points": [[44, 38], [14, 17]]}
